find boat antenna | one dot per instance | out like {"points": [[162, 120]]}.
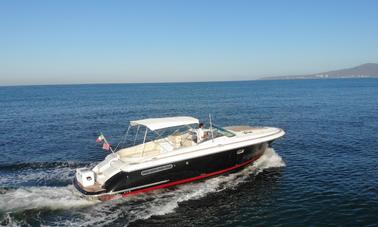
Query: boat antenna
{"points": [[211, 128]]}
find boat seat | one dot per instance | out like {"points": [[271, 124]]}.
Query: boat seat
{"points": [[187, 143], [165, 147], [138, 150], [175, 141]]}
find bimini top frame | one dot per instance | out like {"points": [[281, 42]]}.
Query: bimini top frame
{"points": [[165, 122]]}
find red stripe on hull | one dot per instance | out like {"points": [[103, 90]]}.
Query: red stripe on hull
{"points": [[202, 176]]}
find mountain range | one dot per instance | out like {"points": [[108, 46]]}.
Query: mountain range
{"points": [[361, 71]]}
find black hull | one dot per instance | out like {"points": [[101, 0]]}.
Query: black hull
{"points": [[167, 175]]}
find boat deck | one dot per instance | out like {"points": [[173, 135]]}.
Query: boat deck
{"points": [[241, 128]]}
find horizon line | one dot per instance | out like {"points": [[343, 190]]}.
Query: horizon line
{"points": [[181, 82], [116, 83]]}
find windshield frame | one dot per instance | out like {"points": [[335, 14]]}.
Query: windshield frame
{"points": [[223, 131]]}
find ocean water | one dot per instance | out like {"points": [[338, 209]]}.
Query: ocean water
{"points": [[323, 172]]}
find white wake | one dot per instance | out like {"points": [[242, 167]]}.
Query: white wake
{"points": [[167, 200], [42, 197], [91, 212]]}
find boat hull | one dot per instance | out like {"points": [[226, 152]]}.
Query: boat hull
{"points": [[128, 183]]}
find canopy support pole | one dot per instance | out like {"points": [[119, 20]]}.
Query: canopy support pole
{"points": [[124, 139], [144, 140], [136, 134], [211, 128]]}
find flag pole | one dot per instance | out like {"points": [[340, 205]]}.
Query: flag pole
{"points": [[106, 141]]}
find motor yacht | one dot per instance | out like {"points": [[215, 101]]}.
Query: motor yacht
{"points": [[169, 153]]}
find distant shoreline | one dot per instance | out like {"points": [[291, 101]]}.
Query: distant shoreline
{"points": [[367, 70], [318, 78]]}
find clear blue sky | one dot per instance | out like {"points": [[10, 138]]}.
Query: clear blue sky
{"points": [[53, 42]]}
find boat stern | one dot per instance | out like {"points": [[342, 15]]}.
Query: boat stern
{"points": [[85, 177], [85, 182]]}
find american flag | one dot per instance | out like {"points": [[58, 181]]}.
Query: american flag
{"points": [[106, 146]]}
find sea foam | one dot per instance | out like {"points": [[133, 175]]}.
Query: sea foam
{"points": [[92, 212]]}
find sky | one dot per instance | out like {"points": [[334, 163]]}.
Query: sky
{"points": [[76, 42]]}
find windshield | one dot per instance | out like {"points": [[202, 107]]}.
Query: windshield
{"points": [[219, 131], [187, 134]]}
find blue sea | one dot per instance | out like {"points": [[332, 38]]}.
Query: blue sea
{"points": [[323, 172]]}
